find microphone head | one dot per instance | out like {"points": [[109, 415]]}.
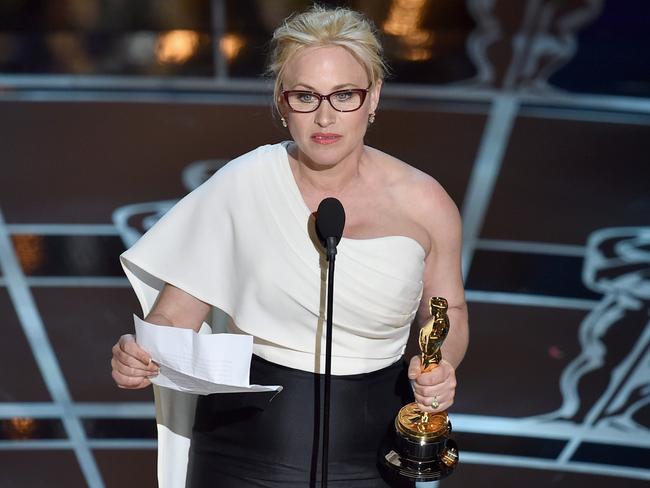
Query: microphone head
{"points": [[330, 219]]}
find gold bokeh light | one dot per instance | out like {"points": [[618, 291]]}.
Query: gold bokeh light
{"points": [[404, 19], [30, 250], [20, 427], [230, 45], [177, 46]]}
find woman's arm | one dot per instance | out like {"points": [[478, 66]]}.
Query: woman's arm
{"points": [[443, 278], [177, 308], [131, 365]]}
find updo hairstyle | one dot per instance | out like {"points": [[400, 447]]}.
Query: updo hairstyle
{"points": [[321, 26]]}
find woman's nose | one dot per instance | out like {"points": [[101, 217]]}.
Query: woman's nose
{"points": [[325, 114]]}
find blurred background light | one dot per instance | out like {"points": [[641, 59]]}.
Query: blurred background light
{"points": [[20, 427], [30, 250], [404, 21], [230, 45], [177, 46]]}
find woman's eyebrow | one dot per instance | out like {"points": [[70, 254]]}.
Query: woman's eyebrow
{"points": [[336, 88]]}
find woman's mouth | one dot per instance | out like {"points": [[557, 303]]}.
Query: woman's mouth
{"points": [[325, 138]]}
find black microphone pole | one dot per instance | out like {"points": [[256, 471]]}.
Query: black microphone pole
{"points": [[330, 220], [331, 257]]}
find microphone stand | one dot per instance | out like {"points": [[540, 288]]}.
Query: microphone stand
{"points": [[331, 256]]}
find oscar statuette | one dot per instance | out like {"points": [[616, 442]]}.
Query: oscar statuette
{"points": [[422, 449]]}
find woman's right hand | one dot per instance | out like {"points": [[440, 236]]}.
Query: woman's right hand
{"points": [[132, 365]]}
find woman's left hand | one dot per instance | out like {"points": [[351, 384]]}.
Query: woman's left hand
{"points": [[436, 388]]}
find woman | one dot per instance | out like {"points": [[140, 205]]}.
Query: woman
{"points": [[242, 242]]}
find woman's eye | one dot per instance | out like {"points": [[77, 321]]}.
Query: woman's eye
{"points": [[344, 96], [306, 98]]}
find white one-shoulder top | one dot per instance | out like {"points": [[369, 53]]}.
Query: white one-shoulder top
{"points": [[242, 243]]}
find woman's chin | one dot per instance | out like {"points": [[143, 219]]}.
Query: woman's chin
{"points": [[323, 161], [326, 155]]}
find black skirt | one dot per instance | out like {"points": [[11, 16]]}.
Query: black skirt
{"points": [[245, 440]]}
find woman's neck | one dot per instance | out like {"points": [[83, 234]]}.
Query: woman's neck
{"points": [[332, 180]]}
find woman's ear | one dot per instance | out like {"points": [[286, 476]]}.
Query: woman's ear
{"points": [[375, 93], [281, 110], [279, 106]]}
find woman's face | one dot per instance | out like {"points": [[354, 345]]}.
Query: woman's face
{"points": [[326, 137]]}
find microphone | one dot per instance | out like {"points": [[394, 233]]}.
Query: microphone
{"points": [[330, 221]]}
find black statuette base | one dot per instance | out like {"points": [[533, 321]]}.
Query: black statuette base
{"points": [[421, 461]]}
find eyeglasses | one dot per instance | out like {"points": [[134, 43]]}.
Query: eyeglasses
{"points": [[305, 101]]}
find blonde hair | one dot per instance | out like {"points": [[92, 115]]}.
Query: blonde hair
{"points": [[321, 26]]}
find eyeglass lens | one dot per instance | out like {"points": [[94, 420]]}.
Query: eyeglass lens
{"points": [[344, 100]]}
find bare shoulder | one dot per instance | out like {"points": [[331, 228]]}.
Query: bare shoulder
{"points": [[421, 196]]}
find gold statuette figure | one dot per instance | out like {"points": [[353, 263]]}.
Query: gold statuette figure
{"points": [[423, 450]]}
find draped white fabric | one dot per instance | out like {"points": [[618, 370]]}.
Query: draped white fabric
{"points": [[242, 243]]}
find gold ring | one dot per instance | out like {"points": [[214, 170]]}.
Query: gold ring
{"points": [[434, 403]]}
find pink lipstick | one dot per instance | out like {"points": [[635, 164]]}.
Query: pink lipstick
{"points": [[325, 138]]}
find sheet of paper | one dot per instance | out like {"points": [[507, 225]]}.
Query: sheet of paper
{"points": [[198, 363]]}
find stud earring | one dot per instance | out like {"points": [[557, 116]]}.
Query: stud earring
{"points": [[283, 122], [371, 118]]}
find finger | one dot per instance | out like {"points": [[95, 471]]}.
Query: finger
{"points": [[142, 384], [426, 403], [130, 347], [442, 406], [428, 399], [434, 377], [129, 383], [129, 361], [444, 390], [436, 380], [127, 370], [423, 391], [414, 367], [132, 362]]}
